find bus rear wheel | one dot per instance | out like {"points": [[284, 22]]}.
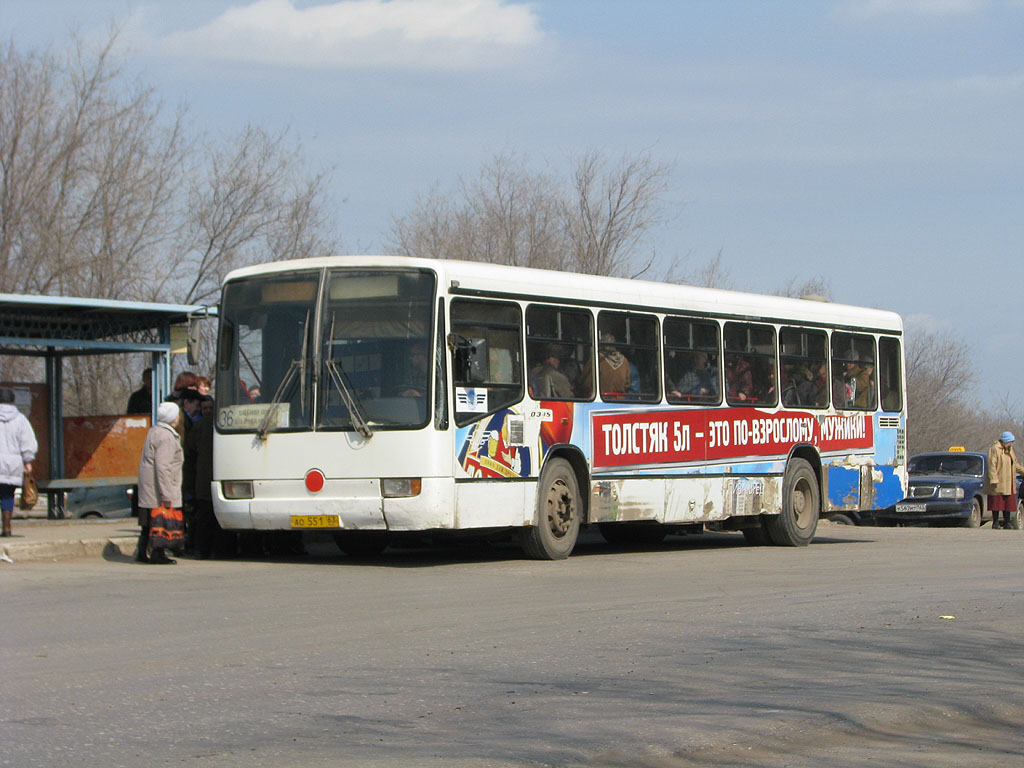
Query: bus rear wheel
{"points": [[559, 508], [795, 525]]}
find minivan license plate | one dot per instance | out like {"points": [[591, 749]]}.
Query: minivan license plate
{"points": [[316, 521], [911, 507]]}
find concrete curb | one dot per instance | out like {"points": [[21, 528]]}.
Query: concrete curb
{"points": [[68, 549]]}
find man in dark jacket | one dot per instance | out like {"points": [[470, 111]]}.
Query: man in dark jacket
{"points": [[141, 400]]}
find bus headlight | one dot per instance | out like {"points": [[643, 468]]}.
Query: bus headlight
{"points": [[237, 489], [951, 493], [397, 487]]}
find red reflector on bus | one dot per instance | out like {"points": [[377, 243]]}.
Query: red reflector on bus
{"points": [[314, 481]]}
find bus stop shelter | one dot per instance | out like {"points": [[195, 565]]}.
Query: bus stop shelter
{"points": [[55, 327]]}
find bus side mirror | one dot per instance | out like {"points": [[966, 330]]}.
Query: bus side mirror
{"points": [[469, 359]]}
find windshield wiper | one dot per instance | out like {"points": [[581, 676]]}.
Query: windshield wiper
{"points": [[289, 376], [351, 400], [286, 381], [348, 396]]}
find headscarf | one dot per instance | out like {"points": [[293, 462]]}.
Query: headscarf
{"points": [[167, 413]]}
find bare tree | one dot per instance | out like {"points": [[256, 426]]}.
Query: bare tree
{"points": [[90, 171], [939, 380], [807, 287], [711, 274], [104, 194], [511, 216], [507, 215], [250, 203], [595, 222], [429, 230], [612, 211]]}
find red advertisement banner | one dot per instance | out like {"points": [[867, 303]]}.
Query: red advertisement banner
{"points": [[648, 438]]}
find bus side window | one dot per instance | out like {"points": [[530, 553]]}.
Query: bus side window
{"points": [[486, 338], [890, 373], [628, 359], [854, 385], [804, 368], [750, 364], [692, 353], [559, 348]]}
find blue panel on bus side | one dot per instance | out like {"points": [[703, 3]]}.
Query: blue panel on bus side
{"points": [[890, 489], [886, 442], [843, 487]]}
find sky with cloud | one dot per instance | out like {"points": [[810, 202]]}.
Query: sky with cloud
{"points": [[876, 143], [364, 35]]}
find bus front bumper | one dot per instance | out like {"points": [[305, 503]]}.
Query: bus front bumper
{"points": [[358, 505]]}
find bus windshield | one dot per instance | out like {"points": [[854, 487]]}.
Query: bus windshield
{"points": [[339, 350], [376, 332]]}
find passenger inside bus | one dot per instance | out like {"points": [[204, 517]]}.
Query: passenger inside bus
{"points": [[417, 376], [698, 382], [613, 368], [569, 364], [855, 387], [766, 390], [801, 385], [840, 393], [547, 381], [865, 385], [740, 379]]}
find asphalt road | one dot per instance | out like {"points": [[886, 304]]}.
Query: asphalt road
{"points": [[873, 646]]}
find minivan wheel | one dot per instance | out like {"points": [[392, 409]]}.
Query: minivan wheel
{"points": [[974, 521]]}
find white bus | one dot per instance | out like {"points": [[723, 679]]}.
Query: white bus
{"points": [[373, 396]]}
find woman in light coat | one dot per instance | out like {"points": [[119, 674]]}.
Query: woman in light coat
{"points": [[160, 515], [1001, 479], [18, 448]]}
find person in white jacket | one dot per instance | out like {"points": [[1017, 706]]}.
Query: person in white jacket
{"points": [[18, 448]]}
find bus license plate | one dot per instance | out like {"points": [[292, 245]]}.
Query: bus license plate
{"points": [[911, 508], [316, 521]]}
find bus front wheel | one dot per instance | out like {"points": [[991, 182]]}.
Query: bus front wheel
{"points": [[559, 508], [795, 525]]}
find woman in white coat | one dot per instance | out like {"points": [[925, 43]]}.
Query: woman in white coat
{"points": [[160, 515], [18, 448]]}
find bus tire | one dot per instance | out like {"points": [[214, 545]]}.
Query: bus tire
{"points": [[795, 525], [559, 509], [361, 543]]}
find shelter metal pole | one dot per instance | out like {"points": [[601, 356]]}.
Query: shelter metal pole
{"points": [[55, 396], [162, 366], [157, 385]]}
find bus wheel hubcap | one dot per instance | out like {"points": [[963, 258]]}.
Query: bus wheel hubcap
{"points": [[800, 504], [560, 506]]}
